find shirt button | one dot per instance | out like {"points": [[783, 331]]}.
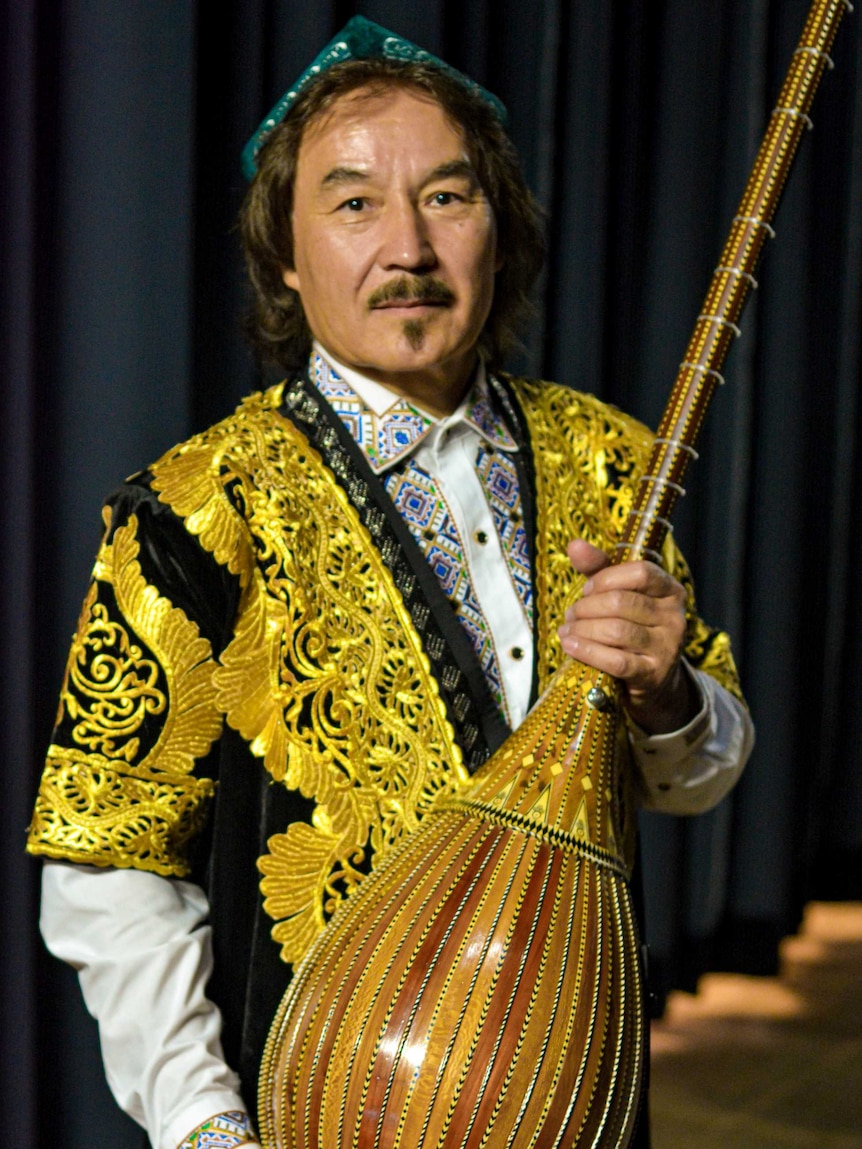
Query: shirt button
{"points": [[481, 538], [517, 653]]}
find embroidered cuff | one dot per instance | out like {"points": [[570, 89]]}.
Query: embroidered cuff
{"points": [[224, 1131]]}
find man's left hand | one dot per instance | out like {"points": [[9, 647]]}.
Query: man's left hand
{"points": [[630, 622]]}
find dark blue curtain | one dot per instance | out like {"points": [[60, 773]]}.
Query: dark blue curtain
{"points": [[120, 295]]}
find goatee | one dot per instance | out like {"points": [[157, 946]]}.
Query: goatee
{"points": [[414, 331]]}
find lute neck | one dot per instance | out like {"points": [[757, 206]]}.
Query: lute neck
{"points": [[717, 324]]}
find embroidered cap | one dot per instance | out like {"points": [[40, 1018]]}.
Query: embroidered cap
{"points": [[359, 39]]}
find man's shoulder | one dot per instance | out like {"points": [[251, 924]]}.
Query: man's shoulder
{"points": [[236, 431], [573, 412], [190, 481], [239, 439]]}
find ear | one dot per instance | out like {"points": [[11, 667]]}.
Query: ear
{"points": [[291, 279]]}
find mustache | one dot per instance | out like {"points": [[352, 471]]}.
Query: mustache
{"points": [[415, 289]]}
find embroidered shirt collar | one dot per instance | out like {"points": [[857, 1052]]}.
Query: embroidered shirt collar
{"points": [[386, 426]]}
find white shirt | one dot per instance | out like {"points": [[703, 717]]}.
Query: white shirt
{"points": [[141, 942]]}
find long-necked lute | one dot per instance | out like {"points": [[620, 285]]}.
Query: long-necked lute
{"points": [[482, 987]]}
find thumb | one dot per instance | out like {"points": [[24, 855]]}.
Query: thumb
{"points": [[585, 558]]}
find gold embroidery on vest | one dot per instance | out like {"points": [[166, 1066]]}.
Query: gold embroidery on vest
{"points": [[191, 480], [102, 799], [589, 458], [111, 686], [325, 676]]}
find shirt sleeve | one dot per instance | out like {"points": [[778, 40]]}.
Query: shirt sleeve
{"points": [[690, 770], [142, 947]]}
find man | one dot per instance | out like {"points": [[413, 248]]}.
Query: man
{"points": [[312, 619]]}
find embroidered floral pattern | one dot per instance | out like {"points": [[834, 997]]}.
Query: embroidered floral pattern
{"points": [[331, 675], [589, 458], [433, 526], [325, 676]]}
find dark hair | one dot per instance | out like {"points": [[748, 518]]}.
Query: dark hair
{"points": [[277, 325]]}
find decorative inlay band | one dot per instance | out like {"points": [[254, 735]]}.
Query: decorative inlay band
{"points": [[699, 367], [737, 271], [661, 481], [567, 842], [645, 552], [666, 523], [721, 322]]}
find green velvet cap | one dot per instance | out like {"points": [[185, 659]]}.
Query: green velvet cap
{"points": [[359, 39]]}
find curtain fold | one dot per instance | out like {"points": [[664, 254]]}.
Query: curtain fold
{"points": [[19, 954], [122, 293]]}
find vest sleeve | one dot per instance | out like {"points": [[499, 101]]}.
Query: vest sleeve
{"points": [[127, 781], [588, 458], [707, 648]]}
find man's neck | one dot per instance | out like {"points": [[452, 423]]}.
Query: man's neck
{"points": [[437, 398], [438, 393]]}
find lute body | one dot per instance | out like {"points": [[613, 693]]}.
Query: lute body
{"points": [[483, 986]]}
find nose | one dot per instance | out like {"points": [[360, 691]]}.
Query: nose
{"points": [[406, 244]]}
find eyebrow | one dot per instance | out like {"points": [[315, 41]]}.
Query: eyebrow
{"points": [[452, 169], [342, 176]]}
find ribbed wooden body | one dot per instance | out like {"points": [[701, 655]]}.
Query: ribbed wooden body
{"points": [[483, 986]]}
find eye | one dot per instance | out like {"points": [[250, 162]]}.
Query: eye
{"points": [[355, 203], [444, 198]]}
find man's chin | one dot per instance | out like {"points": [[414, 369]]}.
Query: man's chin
{"points": [[416, 345]]}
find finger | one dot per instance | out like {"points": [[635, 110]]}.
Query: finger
{"points": [[623, 664], [617, 632], [641, 577], [634, 606], [585, 558]]}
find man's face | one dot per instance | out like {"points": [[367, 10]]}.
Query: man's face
{"points": [[394, 244]]}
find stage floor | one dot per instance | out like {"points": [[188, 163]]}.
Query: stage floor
{"points": [[768, 1063]]}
